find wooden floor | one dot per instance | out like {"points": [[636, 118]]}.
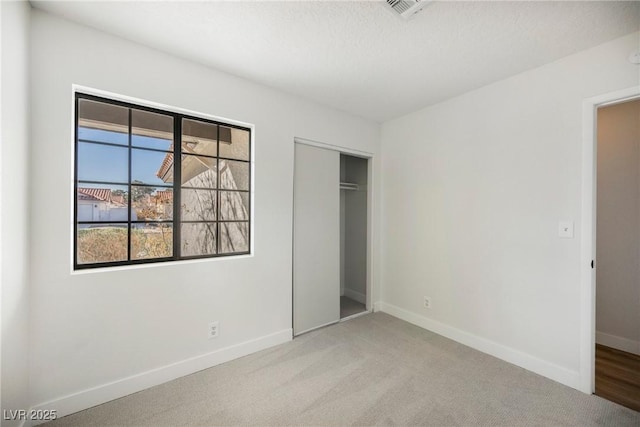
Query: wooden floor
{"points": [[618, 376]]}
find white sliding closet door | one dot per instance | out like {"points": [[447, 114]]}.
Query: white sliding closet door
{"points": [[316, 238]]}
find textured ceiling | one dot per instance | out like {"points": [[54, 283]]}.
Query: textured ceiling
{"points": [[357, 56]]}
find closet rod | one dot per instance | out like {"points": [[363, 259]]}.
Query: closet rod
{"points": [[349, 186]]}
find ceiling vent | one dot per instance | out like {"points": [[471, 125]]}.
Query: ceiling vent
{"points": [[407, 8]]}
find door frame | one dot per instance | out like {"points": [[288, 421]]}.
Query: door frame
{"points": [[371, 184], [588, 230]]}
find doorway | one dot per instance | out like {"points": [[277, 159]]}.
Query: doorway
{"points": [[617, 314], [331, 235], [588, 261]]}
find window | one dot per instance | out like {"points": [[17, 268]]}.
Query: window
{"points": [[155, 185]]}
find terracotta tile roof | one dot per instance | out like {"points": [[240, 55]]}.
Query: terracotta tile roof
{"points": [[103, 194], [164, 195], [165, 167]]}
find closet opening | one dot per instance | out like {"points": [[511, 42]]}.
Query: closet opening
{"points": [[353, 235], [332, 276]]}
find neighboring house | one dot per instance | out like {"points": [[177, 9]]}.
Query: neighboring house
{"points": [[197, 203], [155, 206], [101, 205], [163, 200]]}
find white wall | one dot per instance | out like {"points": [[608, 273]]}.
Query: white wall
{"points": [[93, 328], [618, 228], [14, 194], [474, 188]]}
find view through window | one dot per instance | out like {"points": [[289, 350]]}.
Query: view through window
{"points": [[155, 185]]}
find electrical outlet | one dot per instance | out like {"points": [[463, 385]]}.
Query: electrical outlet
{"points": [[427, 302], [214, 329]]}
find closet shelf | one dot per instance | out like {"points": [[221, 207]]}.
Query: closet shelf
{"points": [[349, 186]]}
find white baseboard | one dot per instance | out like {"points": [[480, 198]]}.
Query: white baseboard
{"points": [[356, 296], [619, 343], [377, 306], [542, 367], [84, 399]]}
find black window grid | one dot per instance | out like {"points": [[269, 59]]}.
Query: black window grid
{"points": [[176, 186]]}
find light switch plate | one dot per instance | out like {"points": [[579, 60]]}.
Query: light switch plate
{"points": [[565, 229]]}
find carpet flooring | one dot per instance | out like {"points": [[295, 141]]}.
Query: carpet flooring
{"points": [[372, 370], [349, 307]]}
